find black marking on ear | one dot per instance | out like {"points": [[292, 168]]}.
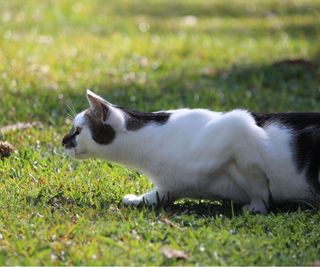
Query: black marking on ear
{"points": [[104, 111], [101, 111], [99, 105], [305, 140], [135, 120], [101, 133]]}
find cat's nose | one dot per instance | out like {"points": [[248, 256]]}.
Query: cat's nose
{"points": [[68, 141], [64, 141]]}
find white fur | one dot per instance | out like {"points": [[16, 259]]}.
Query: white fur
{"points": [[203, 154]]}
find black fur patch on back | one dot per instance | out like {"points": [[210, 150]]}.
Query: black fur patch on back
{"points": [[101, 133], [135, 120], [306, 140], [295, 120]]}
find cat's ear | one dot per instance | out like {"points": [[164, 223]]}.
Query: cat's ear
{"points": [[97, 104], [106, 112]]}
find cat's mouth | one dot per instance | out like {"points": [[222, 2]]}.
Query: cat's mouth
{"points": [[69, 144]]}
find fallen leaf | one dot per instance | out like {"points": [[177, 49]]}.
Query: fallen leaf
{"points": [[174, 254], [169, 223], [6, 149]]}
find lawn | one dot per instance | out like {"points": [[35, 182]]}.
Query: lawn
{"points": [[147, 55]]}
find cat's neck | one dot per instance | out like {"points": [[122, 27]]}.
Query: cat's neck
{"points": [[138, 149]]}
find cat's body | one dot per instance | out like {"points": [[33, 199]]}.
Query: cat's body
{"points": [[197, 153]]}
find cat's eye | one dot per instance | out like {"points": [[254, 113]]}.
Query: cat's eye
{"points": [[78, 131]]}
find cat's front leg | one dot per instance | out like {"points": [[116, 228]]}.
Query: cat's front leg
{"points": [[257, 205], [155, 197]]}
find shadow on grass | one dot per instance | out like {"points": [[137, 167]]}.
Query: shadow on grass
{"points": [[59, 202], [198, 208], [292, 74], [204, 208], [226, 208], [289, 207], [285, 85]]}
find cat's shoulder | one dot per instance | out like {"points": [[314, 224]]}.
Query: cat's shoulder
{"points": [[194, 115]]}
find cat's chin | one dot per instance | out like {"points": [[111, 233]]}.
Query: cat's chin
{"points": [[70, 152], [73, 153], [81, 156]]}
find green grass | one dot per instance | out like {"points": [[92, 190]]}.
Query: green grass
{"points": [[145, 55]]}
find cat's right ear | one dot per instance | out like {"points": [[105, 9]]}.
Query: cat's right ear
{"points": [[98, 105]]}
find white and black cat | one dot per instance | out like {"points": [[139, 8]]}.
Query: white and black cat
{"points": [[196, 153]]}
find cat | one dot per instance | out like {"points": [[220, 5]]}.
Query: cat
{"points": [[247, 157]]}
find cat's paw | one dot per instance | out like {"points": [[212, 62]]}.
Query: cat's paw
{"points": [[132, 200], [256, 206]]}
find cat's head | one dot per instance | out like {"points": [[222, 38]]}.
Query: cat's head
{"points": [[96, 126]]}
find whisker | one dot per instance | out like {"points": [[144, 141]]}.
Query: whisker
{"points": [[70, 116], [72, 110]]}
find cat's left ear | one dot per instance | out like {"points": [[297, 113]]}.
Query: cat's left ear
{"points": [[100, 106], [106, 112]]}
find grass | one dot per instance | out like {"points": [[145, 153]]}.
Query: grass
{"points": [[147, 55]]}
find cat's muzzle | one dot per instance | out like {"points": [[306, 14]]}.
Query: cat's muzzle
{"points": [[69, 141]]}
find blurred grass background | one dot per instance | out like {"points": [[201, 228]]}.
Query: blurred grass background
{"points": [[147, 55], [157, 54]]}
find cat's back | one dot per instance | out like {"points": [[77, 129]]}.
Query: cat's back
{"points": [[192, 119]]}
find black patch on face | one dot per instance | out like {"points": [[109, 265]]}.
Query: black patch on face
{"points": [[306, 140], [135, 120], [101, 133], [69, 141]]}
